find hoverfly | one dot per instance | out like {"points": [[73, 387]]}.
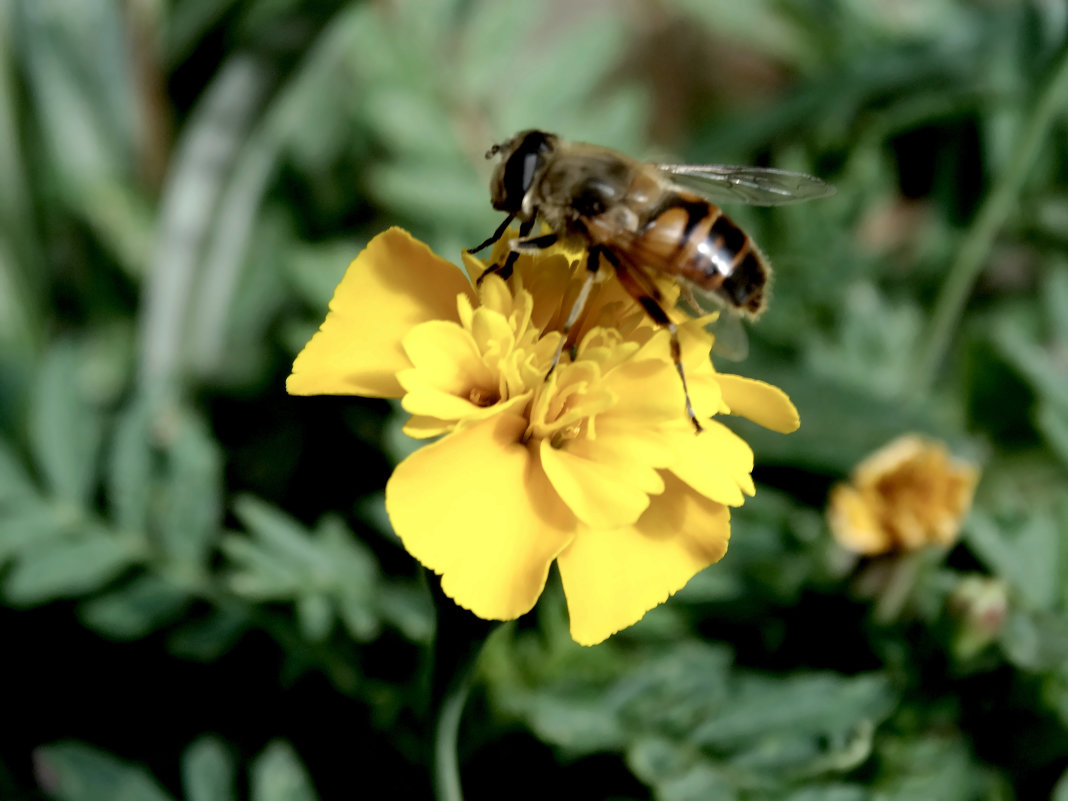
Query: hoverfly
{"points": [[644, 219]]}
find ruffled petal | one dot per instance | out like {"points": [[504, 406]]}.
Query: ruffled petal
{"points": [[475, 507], [424, 427], [612, 577], [603, 494], [716, 463], [447, 372], [392, 286], [855, 525], [762, 403]]}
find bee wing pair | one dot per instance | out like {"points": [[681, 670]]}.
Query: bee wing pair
{"points": [[753, 186]]}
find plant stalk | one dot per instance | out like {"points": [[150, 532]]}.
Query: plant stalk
{"points": [[459, 641], [977, 241]]}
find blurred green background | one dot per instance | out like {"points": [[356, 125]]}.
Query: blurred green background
{"points": [[201, 597]]}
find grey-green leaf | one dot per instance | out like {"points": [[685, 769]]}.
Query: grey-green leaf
{"points": [[65, 428], [76, 772], [67, 567], [277, 775], [139, 607], [208, 771]]}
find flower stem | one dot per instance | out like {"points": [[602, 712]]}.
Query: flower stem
{"points": [[999, 204], [459, 641]]}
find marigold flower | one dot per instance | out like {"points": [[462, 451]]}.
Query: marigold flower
{"points": [[595, 467], [908, 494]]}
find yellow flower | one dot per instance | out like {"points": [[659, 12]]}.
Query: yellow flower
{"points": [[594, 466], [908, 494]]}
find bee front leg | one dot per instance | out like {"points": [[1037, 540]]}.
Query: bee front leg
{"points": [[505, 270], [495, 235]]}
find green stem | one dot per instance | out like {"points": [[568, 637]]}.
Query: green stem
{"points": [[459, 641], [977, 241]]}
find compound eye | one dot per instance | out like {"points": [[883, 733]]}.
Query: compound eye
{"points": [[522, 165]]}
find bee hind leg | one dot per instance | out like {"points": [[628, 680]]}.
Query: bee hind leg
{"points": [[593, 263], [649, 299], [534, 243]]}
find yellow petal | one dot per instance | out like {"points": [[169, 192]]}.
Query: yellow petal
{"points": [[612, 577], [392, 286], [602, 494], [424, 427], [448, 371], [762, 403], [854, 522], [649, 392], [716, 463], [475, 507]]}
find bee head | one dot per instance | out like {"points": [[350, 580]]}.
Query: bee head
{"points": [[521, 158]]}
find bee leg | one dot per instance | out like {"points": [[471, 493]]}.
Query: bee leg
{"points": [[505, 270], [495, 236], [593, 264], [534, 243], [649, 298]]}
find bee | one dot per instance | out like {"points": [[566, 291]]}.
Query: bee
{"points": [[645, 220]]}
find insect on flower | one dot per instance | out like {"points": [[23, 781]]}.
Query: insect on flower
{"points": [[646, 220]]}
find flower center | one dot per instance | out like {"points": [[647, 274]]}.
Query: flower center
{"points": [[483, 397], [564, 435]]}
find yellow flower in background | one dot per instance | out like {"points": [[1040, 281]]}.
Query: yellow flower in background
{"points": [[595, 467], [908, 494]]}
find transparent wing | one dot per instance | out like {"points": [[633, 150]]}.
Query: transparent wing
{"points": [[754, 186], [731, 340]]}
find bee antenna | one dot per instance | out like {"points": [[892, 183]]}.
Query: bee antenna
{"points": [[493, 151]]}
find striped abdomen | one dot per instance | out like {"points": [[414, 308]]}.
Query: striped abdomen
{"points": [[686, 235]]}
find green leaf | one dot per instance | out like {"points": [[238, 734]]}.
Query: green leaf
{"points": [[32, 522], [409, 609], [1031, 360], [486, 59], [840, 424], [75, 63], [131, 467], [208, 771], [315, 616], [818, 705], [1037, 641], [410, 122], [830, 792], [277, 775], [679, 776], [276, 530], [65, 428], [569, 70], [15, 483], [315, 271], [1060, 792], [208, 639], [67, 567], [1026, 554], [139, 607], [197, 175], [1052, 421], [278, 558], [931, 765], [76, 772], [457, 199], [193, 484]]}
